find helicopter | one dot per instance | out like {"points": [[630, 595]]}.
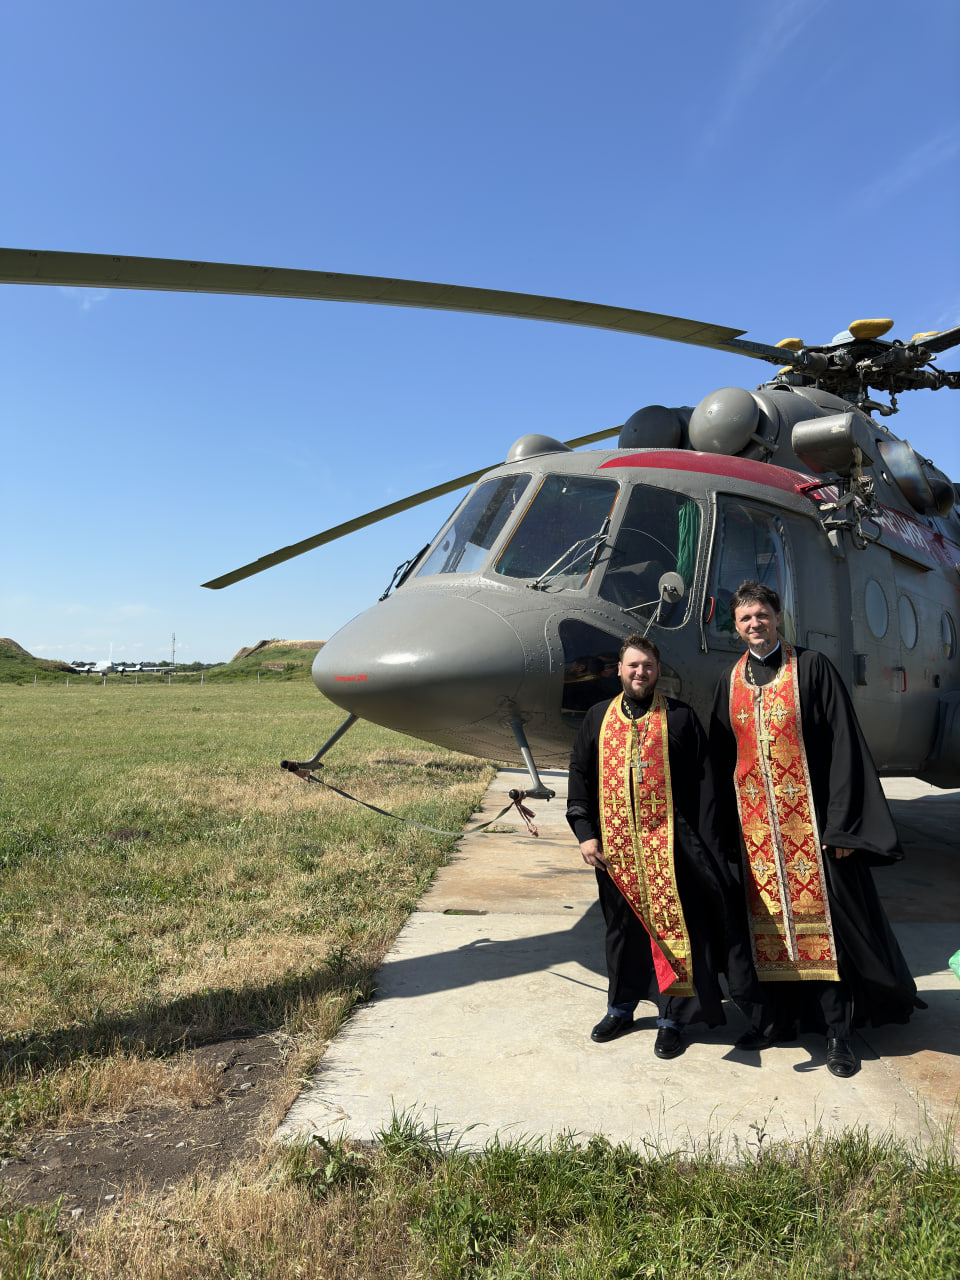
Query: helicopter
{"points": [[497, 636]]}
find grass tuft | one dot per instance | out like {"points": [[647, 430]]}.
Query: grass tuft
{"points": [[31, 1244]]}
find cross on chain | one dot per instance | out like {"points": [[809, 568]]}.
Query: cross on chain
{"points": [[765, 737]]}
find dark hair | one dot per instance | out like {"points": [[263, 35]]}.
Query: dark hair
{"points": [[751, 592], [640, 642]]}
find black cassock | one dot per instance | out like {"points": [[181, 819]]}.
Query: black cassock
{"points": [[711, 898], [852, 813]]}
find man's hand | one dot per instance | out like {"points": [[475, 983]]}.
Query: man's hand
{"points": [[839, 853], [592, 854]]}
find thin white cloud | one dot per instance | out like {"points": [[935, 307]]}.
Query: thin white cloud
{"points": [[86, 299], [941, 149], [778, 26]]}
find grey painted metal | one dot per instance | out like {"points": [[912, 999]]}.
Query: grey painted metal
{"points": [[915, 479], [537, 789], [654, 427], [334, 738], [724, 422], [830, 444], [532, 446]]}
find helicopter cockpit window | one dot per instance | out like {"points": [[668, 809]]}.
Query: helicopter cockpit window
{"points": [[659, 533], [752, 545], [560, 531], [475, 527]]}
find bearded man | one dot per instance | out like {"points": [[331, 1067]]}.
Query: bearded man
{"points": [[795, 779], [640, 803]]}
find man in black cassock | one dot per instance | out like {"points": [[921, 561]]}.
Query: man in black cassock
{"points": [[824, 951], [686, 923]]}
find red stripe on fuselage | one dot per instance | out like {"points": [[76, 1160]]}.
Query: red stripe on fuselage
{"points": [[715, 464], [900, 526]]}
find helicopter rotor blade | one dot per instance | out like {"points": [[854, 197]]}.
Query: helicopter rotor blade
{"points": [[100, 270], [372, 517], [942, 341]]}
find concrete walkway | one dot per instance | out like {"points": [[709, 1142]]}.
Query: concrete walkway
{"points": [[481, 1019]]}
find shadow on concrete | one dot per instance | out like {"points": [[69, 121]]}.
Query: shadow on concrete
{"points": [[489, 959]]}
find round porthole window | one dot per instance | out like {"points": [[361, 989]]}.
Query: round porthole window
{"points": [[948, 636], [908, 622], [877, 613]]}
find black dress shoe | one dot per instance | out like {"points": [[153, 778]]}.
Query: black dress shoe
{"points": [[757, 1039], [610, 1027], [841, 1060], [669, 1043]]}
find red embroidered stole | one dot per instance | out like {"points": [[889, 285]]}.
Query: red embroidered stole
{"points": [[636, 818], [786, 891]]}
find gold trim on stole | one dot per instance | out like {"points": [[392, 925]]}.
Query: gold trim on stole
{"points": [[787, 901], [636, 819]]}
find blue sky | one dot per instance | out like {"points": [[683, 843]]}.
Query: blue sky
{"points": [[780, 167]]}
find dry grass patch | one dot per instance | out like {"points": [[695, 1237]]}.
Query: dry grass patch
{"points": [[249, 1224], [245, 962], [111, 1088], [228, 792]]}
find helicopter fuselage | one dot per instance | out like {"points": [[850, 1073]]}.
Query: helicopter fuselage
{"points": [[517, 610]]}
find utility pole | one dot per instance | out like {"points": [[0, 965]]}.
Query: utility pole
{"points": [[173, 650]]}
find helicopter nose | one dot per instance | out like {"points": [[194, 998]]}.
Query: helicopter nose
{"points": [[422, 662]]}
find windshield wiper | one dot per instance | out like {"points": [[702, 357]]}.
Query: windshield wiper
{"points": [[402, 572], [593, 543]]}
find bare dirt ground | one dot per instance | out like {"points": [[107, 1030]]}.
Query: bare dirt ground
{"points": [[91, 1166]]}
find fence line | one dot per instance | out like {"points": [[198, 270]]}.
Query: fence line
{"points": [[198, 678]]}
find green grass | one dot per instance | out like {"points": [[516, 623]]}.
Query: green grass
{"points": [[831, 1207], [406, 1206], [163, 882]]}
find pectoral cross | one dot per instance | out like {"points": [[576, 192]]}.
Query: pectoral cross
{"points": [[765, 737], [638, 768]]}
